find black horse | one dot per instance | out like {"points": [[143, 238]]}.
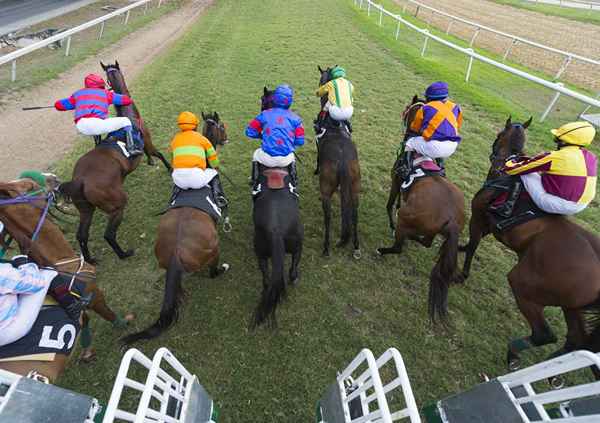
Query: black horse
{"points": [[277, 231], [338, 167]]}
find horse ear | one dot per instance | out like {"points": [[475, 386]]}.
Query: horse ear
{"points": [[509, 121], [265, 90], [117, 65], [203, 115], [103, 65], [320, 70], [415, 99], [216, 116], [526, 124]]}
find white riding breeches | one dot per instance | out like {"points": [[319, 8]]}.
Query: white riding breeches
{"points": [[272, 161], [339, 113], [432, 149], [95, 126], [193, 178], [548, 202]]}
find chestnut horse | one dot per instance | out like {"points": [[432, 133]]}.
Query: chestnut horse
{"points": [[432, 205], [99, 175], [339, 167], [558, 262], [50, 248], [187, 242]]}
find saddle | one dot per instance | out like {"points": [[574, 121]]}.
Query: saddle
{"points": [[325, 123], [201, 199], [420, 167], [523, 210], [273, 178], [117, 140]]}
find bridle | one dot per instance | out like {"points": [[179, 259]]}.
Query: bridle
{"points": [[513, 153], [406, 114], [220, 127]]}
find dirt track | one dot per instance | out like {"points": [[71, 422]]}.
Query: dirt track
{"points": [[564, 34], [36, 139]]}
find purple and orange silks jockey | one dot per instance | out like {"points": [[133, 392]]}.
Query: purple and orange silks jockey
{"points": [[569, 173], [281, 131], [91, 103], [438, 121]]}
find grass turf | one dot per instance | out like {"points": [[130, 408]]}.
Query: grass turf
{"points": [[581, 15], [222, 64]]}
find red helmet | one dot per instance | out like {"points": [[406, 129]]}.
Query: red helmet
{"points": [[94, 81]]}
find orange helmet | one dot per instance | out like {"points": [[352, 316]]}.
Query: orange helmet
{"points": [[187, 121], [94, 81]]}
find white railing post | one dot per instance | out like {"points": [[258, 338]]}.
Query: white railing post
{"points": [[101, 29], [398, 29], [13, 71], [368, 8], [551, 105], [360, 5], [425, 43], [417, 11], [449, 26], [380, 15], [404, 9], [127, 17], [473, 37], [68, 49], [563, 67], [507, 52], [160, 2], [146, 8], [469, 67]]}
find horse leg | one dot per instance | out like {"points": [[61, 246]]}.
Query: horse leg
{"points": [[394, 194], [110, 234], [86, 214], [294, 272], [402, 233], [326, 203], [85, 340], [477, 231], [576, 334], [541, 333], [263, 265], [355, 172], [98, 304]]}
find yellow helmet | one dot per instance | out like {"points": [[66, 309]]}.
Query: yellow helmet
{"points": [[187, 121], [576, 133]]}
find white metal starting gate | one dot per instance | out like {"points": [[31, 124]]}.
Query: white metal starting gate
{"points": [[359, 396], [170, 393]]}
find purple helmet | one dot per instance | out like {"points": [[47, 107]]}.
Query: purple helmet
{"points": [[437, 91], [283, 96]]}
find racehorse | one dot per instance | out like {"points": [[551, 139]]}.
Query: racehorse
{"points": [[432, 205], [338, 167], [99, 175], [277, 231], [558, 261], [187, 242], [23, 215], [117, 82]]}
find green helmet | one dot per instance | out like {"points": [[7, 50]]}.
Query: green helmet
{"points": [[338, 72]]}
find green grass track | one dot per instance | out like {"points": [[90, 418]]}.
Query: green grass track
{"points": [[222, 64]]}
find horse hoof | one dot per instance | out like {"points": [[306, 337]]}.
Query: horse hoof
{"points": [[129, 317], [325, 253], [92, 261], [357, 254], [87, 355], [459, 279], [514, 364], [227, 226], [150, 161], [126, 254], [225, 267], [393, 233], [378, 252]]}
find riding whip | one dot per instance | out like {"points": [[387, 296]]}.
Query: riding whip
{"points": [[37, 108]]}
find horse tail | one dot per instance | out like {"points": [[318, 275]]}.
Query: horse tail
{"points": [[346, 198], [171, 302], [444, 273], [71, 190], [274, 292]]}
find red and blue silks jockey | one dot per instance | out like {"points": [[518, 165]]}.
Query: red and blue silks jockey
{"points": [[281, 131], [561, 181], [438, 123], [91, 110]]}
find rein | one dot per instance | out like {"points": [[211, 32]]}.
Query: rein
{"points": [[27, 199]]}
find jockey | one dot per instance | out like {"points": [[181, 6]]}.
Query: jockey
{"points": [[438, 123], [281, 131], [562, 181], [191, 152], [91, 110], [339, 97]]}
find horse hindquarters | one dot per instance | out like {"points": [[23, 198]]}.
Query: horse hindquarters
{"points": [[444, 273], [274, 291]]}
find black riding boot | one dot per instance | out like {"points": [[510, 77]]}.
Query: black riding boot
{"points": [[317, 144], [254, 175], [348, 125], [506, 209], [405, 166], [71, 298], [293, 174], [219, 194], [132, 148]]}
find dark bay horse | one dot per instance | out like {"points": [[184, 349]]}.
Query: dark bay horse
{"points": [[339, 167], [558, 262], [277, 231], [187, 242], [50, 248], [98, 179], [432, 205]]}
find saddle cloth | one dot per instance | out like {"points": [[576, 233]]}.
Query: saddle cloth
{"points": [[273, 178], [201, 199], [421, 167], [117, 140]]}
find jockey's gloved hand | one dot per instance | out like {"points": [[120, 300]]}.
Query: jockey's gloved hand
{"points": [[71, 299], [20, 260]]}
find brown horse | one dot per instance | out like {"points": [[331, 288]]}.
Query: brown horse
{"points": [[187, 242], [558, 262], [338, 167], [49, 249], [432, 205], [98, 179]]}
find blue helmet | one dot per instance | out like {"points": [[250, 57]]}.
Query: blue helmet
{"points": [[437, 91], [283, 96]]}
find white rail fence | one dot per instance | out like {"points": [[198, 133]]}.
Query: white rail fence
{"points": [[126, 11], [573, 4], [557, 87], [567, 56]]}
